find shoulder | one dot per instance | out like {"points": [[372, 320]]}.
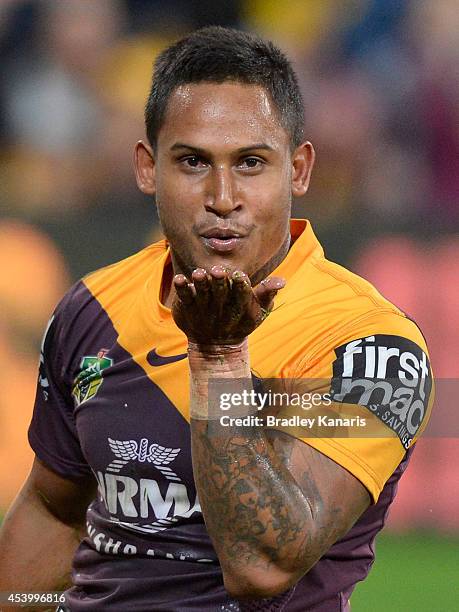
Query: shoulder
{"points": [[116, 284], [353, 292], [335, 306], [361, 309], [96, 304], [124, 275]]}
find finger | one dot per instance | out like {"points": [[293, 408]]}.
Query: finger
{"points": [[201, 284], [241, 289], [267, 290], [219, 286], [185, 290], [240, 297]]}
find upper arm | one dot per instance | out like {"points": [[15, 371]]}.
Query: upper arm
{"points": [[42, 530], [65, 499], [53, 433], [335, 497]]}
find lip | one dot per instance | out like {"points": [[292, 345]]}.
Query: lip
{"points": [[222, 245], [221, 232], [221, 239]]}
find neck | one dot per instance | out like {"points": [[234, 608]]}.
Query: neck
{"points": [[167, 288], [272, 263]]}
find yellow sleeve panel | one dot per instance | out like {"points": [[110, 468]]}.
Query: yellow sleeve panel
{"points": [[391, 341]]}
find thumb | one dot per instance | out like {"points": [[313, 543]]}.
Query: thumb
{"points": [[266, 291]]}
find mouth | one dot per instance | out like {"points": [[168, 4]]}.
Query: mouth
{"points": [[222, 240]]}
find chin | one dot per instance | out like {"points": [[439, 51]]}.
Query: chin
{"points": [[226, 263]]}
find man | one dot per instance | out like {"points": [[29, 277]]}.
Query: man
{"points": [[126, 400]]}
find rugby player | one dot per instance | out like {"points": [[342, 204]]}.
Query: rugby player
{"points": [[135, 501]]}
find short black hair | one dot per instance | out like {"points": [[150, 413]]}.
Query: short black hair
{"points": [[215, 54]]}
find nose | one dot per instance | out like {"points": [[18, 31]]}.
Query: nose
{"points": [[221, 198]]}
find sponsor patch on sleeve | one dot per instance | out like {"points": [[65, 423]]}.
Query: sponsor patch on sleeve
{"points": [[390, 376]]}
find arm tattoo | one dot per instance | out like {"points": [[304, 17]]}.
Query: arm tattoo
{"points": [[254, 509]]}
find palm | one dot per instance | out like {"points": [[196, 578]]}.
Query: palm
{"points": [[218, 307]]}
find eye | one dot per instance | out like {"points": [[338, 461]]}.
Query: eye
{"points": [[251, 163], [193, 162]]}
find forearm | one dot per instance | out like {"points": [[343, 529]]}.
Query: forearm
{"points": [[256, 514]]}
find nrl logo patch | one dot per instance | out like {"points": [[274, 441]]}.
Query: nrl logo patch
{"points": [[89, 380]]}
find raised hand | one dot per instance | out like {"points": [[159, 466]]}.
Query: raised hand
{"points": [[220, 307]]}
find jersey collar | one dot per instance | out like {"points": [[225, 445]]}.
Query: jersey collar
{"points": [[304, 246]]}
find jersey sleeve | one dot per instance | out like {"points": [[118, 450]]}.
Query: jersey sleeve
{"points": [[376, 386], [52, 433]]}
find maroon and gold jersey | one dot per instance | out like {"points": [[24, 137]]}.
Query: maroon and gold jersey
{"points": [[113, 400]]}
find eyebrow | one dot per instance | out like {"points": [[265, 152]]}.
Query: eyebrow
{"points": [[257, 146]]}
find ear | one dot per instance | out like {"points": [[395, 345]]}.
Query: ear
{"points": [[302, 161], [145, 167]]}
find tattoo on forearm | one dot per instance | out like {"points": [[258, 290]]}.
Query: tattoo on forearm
{"points": [[250, 500]]}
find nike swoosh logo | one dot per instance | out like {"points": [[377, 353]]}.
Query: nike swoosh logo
{"points": [[159, 360]]}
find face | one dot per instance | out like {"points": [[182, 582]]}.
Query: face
{"points": [[224, 174]]}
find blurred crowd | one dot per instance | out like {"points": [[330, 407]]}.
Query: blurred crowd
{"points": [[380, 85]]}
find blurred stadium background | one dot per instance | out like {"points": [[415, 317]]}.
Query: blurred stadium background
{"points": [[381, 92]]}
